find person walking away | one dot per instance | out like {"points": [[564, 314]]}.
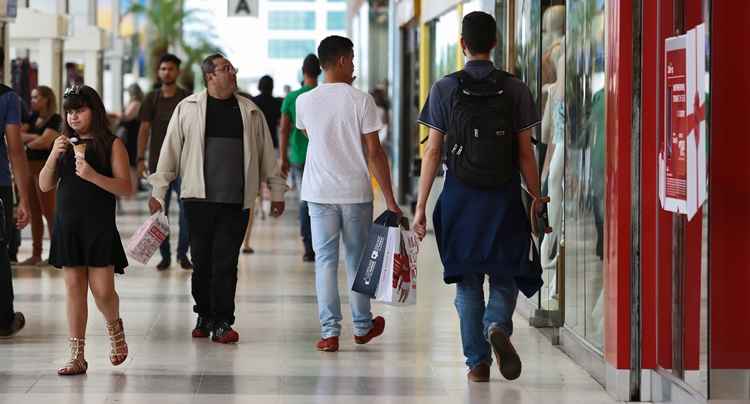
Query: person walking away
{"points": [[220, 145], [129, 125], [293, 146], [38, 134], [11, 151], [271, 108], [342, 125], [89, 167], [480, 224], [156, 111]]}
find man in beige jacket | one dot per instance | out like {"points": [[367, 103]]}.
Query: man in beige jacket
{"points": [[220, 146]]}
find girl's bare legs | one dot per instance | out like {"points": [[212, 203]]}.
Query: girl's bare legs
{"points": [[102, 283], [76, 285]]}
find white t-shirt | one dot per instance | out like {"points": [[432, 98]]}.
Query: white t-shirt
{"points": [[336, 117]]}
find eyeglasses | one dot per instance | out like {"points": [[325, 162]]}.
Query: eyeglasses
{"points": [[74, 90], [227, 68]]}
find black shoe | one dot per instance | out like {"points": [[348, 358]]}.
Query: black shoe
{"points": [[223, 333], [19, 321], [507, 357], [202, 328], [185, 263], [308, 257], [164, 264]]}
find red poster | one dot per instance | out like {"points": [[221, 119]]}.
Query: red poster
{"points": [[675, 143]]}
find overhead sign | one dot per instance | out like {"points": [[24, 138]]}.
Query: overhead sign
{"points": [[242, 8], [683, 149]]}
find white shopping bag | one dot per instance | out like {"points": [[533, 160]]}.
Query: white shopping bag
{"points": [[398, 280], [147, 239]]}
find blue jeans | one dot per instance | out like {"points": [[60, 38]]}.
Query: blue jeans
{"points": [[183, 242], [329, 223], [304, 214], [477, 319]]}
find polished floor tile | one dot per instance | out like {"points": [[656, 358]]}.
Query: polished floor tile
{"points": [[417, 360]]}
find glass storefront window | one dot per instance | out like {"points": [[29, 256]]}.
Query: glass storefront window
{"points": [[527, 19], [444, 44], [584, 140]]}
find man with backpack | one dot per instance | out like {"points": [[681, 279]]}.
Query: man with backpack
{"points": [[480, 119], [156, 111]]}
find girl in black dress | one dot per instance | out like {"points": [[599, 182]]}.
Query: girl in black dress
{"points": [[89, 167]]}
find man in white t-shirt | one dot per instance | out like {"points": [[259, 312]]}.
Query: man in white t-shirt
{"points": [[342, 124]]}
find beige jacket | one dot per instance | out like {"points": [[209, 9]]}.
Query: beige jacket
{"points": [[182, 154]]}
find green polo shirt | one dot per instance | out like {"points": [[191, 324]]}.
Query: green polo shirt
{"points": [[297, 139]]}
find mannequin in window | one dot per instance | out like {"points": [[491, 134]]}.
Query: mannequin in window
{"points": [[553, 39], [553, 127]]}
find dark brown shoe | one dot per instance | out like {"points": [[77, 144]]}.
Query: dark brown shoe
{"points": [[480, 373], [507, 358]]}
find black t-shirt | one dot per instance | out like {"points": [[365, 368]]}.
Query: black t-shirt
{"points": [[158, 110], [271, 107], [54, 122], [224, 159]]}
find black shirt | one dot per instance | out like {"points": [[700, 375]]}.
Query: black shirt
{"points": [[54, 122], [271, 107], [224, 159], [158, 110]]}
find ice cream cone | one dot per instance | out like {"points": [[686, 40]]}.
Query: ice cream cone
{"points": [[80, 149]]}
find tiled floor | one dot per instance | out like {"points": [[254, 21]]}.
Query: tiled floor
{"points": [[418, 359]]}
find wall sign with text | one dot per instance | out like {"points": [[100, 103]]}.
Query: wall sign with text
{"points": [[683, 148]]}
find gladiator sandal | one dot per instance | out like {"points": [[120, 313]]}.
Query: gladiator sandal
{"points": [[119, 348], [76, 365]]}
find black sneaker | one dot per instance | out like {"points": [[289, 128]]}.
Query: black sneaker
{"points": [[19, 321], [185, 263], [202, 328], [507, 358], [224, 334], [164, 264]]}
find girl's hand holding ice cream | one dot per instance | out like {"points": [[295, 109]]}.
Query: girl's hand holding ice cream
{"points": [[60, 146], [84, 170]]}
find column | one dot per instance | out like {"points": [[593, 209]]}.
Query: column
{"points": [[50, 63], [114, 56], [92, 70]]}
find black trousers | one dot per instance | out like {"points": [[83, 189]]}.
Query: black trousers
{"points": [[216, 234], [6, 276]]}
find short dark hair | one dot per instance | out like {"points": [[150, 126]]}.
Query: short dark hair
{"points": [[479, 31], [170, 58], [332, 48], [265, 85], [207, 65], [311, 66]]}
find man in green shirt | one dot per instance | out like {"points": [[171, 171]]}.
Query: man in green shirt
{"points": [[293, 145]]}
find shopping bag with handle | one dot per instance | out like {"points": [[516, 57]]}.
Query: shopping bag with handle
{"points": [[147, 239], [398, 280], [382, 239]]}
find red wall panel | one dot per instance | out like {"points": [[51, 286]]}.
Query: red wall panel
{"points": [[729, 192], [617, 254]]}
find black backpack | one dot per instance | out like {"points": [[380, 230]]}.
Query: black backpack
{"points": [[481, 148]]}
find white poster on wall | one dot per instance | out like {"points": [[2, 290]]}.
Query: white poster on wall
{"points": [[683, 150]]}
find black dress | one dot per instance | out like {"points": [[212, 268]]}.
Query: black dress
{"points": [[85, 233]]}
